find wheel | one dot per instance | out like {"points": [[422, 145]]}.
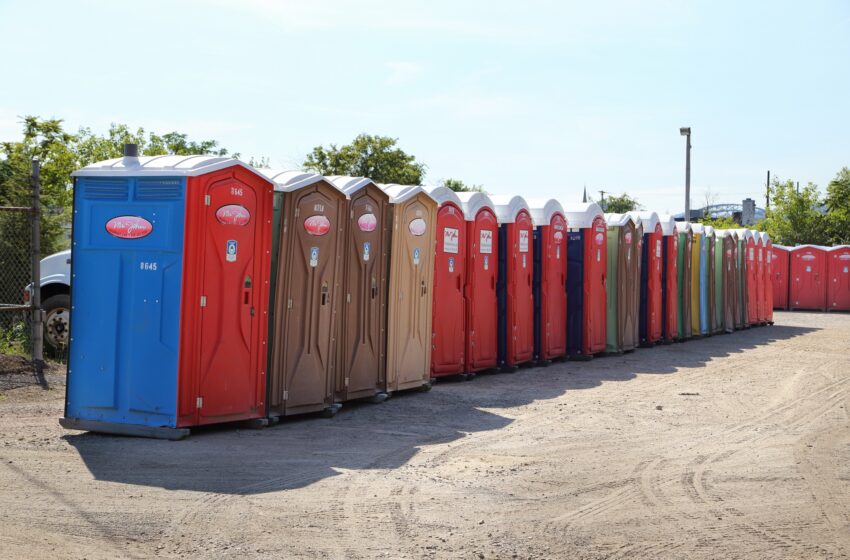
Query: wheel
{"points": [[470, 376], [331, 411], [57, 320], [425, 387]]}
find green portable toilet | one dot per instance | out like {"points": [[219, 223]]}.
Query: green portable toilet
{"points": [[743, 235], [697, 264], [684, 270], [623, 283]]}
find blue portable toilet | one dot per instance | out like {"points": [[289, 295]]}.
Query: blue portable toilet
{"points": [[549, 286], [162, 246]]}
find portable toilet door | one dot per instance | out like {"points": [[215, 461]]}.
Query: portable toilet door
{"points": [[767, 280], [705, 284], [696, 278], [669, 278], [587, 266], [409, 309], [549, 280], [514, 285], [361, 339], [686, 239], [743, 289], [737, 322], [838, 280], [760, 278], [170, 260], [719, 284], [651, 299], [808, 274], [711, 240], [306, 291], [481, 276], [779, 257], [448, 326], [623, 275], [752, 279]]}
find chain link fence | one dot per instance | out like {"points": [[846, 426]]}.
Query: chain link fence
{"points": [[21, 359]]}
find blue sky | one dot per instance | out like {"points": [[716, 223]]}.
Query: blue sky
{"points": [[537, 98]]}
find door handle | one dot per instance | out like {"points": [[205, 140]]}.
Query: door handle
{"points": [[424, 289], [325, 296], [374, 288]]}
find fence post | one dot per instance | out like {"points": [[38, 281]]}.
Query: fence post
{"points": [[37, 315]]}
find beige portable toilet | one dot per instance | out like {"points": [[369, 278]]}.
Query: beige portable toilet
{"points": [[362, 326], [305, 288], [409, 311]]}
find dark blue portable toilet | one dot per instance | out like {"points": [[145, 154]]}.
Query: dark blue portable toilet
{"points": [[169, 295]]}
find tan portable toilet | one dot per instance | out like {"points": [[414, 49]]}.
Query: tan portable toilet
{"points": [[362, 335], [306, 287], [411, 285]]}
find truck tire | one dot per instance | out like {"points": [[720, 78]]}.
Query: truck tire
{"points": [[57, 320]]}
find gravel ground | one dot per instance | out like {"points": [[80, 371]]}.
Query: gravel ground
{"points": [[735, 446]]}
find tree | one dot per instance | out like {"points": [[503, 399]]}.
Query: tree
{"points": [[375, 157], [719, 223], [620, 204], [459, 186], [795, 218], [838, 206]]}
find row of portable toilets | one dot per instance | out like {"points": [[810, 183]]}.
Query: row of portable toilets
{"points": [[811, 277], [205, 291]]}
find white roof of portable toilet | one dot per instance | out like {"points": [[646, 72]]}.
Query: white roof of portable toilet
{"points": [[668, 224], [543, 210], [765, 237], [617, 220], [725, 233], [581, 215], [709, 231], [400, 193], [809, 246], [350, 185], [292, 180], [507, 207], [833, 248], [443, 195], [698, 229], [473, 202], [683, 227], [648, 219], [160, 166], [744, 233]]}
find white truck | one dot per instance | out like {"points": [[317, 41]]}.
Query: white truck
{"points": [[55, 298]]}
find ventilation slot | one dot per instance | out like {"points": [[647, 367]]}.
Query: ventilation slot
{"points": [[105, 189], [158, 189]]}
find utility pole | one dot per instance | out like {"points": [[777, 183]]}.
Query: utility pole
{"points": [[686, 131], [767, 191], [602, 194]]}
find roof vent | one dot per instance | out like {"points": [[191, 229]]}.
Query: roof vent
{"points": [[131, 150]]}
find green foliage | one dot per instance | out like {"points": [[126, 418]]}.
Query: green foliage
{"points": [[719, 223], [795, 218], [459, 186], [838, 204], [375, 157], [620, 204]]}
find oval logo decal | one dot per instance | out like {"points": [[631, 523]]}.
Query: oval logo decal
{"points": [[807, 257], [367, 222], [559, 235], [317, 225], [599, 238], [417, 227], [628, 238], [129, 227], [233, 215]]}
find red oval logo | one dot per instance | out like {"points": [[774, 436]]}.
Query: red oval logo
{"points": [[317, 225], [367, 222], [233, 215], [599, 238], [417, 227], [628, 238], [129, 227]]}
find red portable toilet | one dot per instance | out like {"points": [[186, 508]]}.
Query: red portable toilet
{"points": [[768, 277], [752, 276], [808, 270], [482, 268], [514, 284], [838, 291], [587, 269], [779, 257], [550, 276], [448, 327], [651, 319], [669, 278]]}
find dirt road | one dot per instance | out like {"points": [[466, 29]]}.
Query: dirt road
{"points": [[736, 446]]}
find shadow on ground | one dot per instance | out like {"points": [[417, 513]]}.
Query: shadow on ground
{"points": [[302, 451]]}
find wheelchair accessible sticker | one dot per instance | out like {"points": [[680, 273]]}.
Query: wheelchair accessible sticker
{"points": [[451, 264], [416, 256], [367, 248], [230, 254], [314, 256]]}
